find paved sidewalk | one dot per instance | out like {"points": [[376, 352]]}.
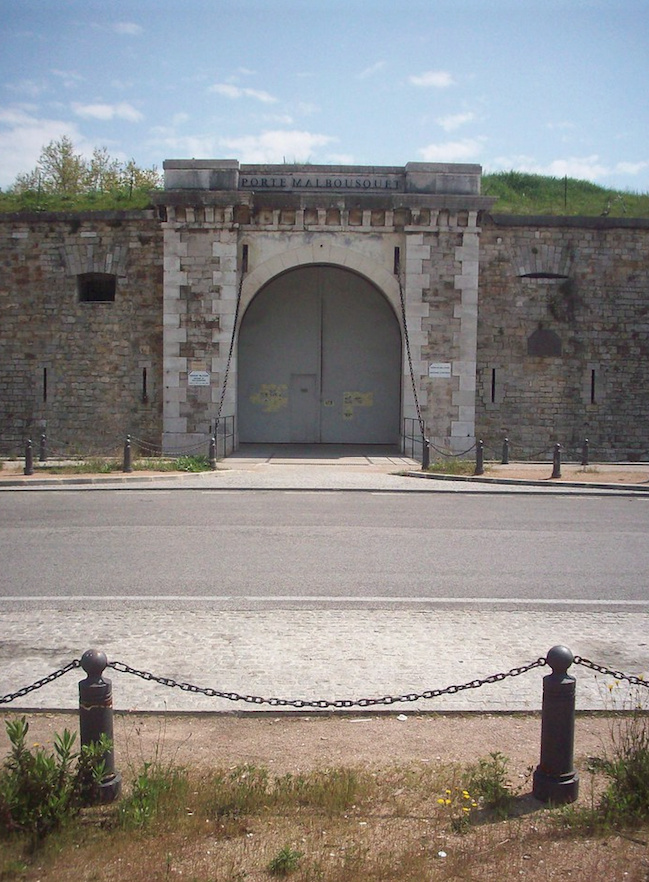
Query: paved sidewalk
{"points": [[270, 467]]}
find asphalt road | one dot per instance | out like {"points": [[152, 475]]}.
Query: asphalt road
{"points": [[372, 548]]}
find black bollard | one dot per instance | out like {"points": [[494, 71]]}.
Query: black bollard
{"points": [[42, 453], [29, 458], [128, 464], [479, 458], [96, 719], [425, 454], [505, 452], [556, 461], [555, 779], [584, 453], [212, 453]]}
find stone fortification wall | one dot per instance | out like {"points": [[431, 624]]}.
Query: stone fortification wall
{"points": [[560, 307], [87, 371], [563, 334]]}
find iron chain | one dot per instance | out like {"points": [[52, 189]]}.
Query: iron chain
{"points": [[323, 703], [5, 699], [618, 675]]}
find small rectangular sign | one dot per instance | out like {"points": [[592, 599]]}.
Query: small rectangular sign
{"points": [[440, 369], [198, 378]]}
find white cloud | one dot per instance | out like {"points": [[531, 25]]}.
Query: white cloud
{"points": [[31, 88], [278, 119], [453, 151], [437, 79], [561, 126], [23, 136], [236, 92], [276, 146], [108, 111], [455, 120], [69, 78], [127, 27], [306, 108], [631, 168], [585, 167], [589, 168], [371, 70]]}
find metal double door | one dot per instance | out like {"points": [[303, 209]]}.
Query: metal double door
{"points": [[319, 361]]}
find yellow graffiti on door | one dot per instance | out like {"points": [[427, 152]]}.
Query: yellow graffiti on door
{"points": [[271, 397], [356, 399]]}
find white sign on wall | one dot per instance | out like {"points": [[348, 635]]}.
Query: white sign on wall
{"points": [[440, 370], [198, 378]]}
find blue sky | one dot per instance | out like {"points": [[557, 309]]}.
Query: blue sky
{"points": [[552, 86]]}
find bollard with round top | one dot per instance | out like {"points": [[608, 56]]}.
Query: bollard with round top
{"points": [[96, 718], [29, 458], [555, 779], [425, 455], [479, 458], [128, 461]]}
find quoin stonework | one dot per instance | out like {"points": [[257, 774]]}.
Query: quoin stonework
{"points": [[324, 305]]}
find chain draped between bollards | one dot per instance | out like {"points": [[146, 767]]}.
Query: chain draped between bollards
{"points": [[554, 781]]}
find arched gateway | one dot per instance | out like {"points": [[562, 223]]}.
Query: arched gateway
{"points": [[290, 293], [319, 361]]}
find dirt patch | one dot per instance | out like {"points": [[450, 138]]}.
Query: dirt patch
{"points": [[291, 742]]}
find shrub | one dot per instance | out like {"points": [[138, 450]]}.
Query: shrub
{"points": [[39, 791]]}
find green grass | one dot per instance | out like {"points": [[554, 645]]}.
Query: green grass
{"points": [[453, 467], [521, 193], [516, 193], [121, 200], [105, 465]]}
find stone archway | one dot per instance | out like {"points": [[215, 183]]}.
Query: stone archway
{"points": [[319, 361]]}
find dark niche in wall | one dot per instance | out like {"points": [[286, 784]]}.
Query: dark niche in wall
{"points": [[544, 343]]}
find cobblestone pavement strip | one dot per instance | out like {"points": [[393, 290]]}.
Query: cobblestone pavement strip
{"points": [[319, 654]]}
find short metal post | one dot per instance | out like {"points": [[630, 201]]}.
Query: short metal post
{"points": [[42, 453], [212, 454], [584, 453], [505, 451], [479, 458], [425, 454], [96, 719], [128, 464], [29, 458], [556, 461], [555, 779]]}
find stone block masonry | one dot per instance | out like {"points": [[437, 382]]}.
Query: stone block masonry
{"points": [[86, 372], [563, 335]]}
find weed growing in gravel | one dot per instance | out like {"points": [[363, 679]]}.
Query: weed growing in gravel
{"points": [[452, 467], [488, 782], [285, 861]]}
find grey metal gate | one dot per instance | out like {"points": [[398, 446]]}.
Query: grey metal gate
{"points": [[319, 361]]}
